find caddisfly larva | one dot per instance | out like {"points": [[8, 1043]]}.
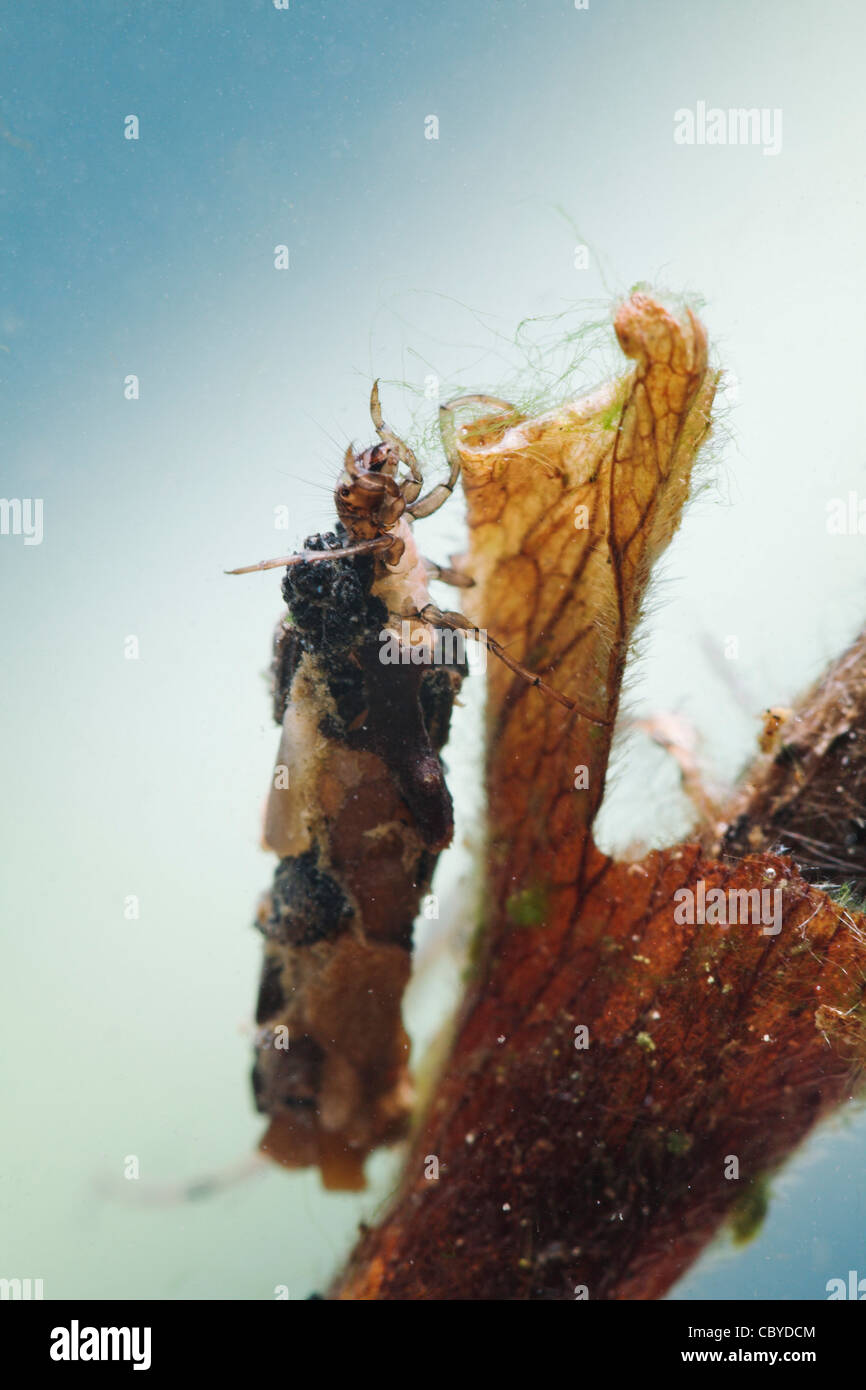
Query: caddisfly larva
{"points": [[358, 811]]}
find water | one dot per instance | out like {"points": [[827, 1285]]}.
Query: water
{"points": [[134, 785]]}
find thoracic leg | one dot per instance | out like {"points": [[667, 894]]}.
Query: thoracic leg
{"points": [[448, 574], [411, 487], [458, 623], [313, 556], [439, 494]]}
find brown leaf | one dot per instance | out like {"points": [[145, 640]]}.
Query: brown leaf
{"points": [[567, 514], [603, 1161]]}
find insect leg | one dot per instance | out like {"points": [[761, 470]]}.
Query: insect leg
{"points": [[448, 430], [458, 623], [166, 1194], [311, 556], [411, 487], [448, 575]]}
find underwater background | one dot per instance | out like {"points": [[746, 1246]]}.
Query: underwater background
{"points": [[416, 247]]}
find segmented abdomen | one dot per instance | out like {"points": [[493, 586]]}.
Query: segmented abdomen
{"points": [[358, 814]]}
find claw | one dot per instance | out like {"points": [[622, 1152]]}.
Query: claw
{"points": [[448, 430], [387, 436]]}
